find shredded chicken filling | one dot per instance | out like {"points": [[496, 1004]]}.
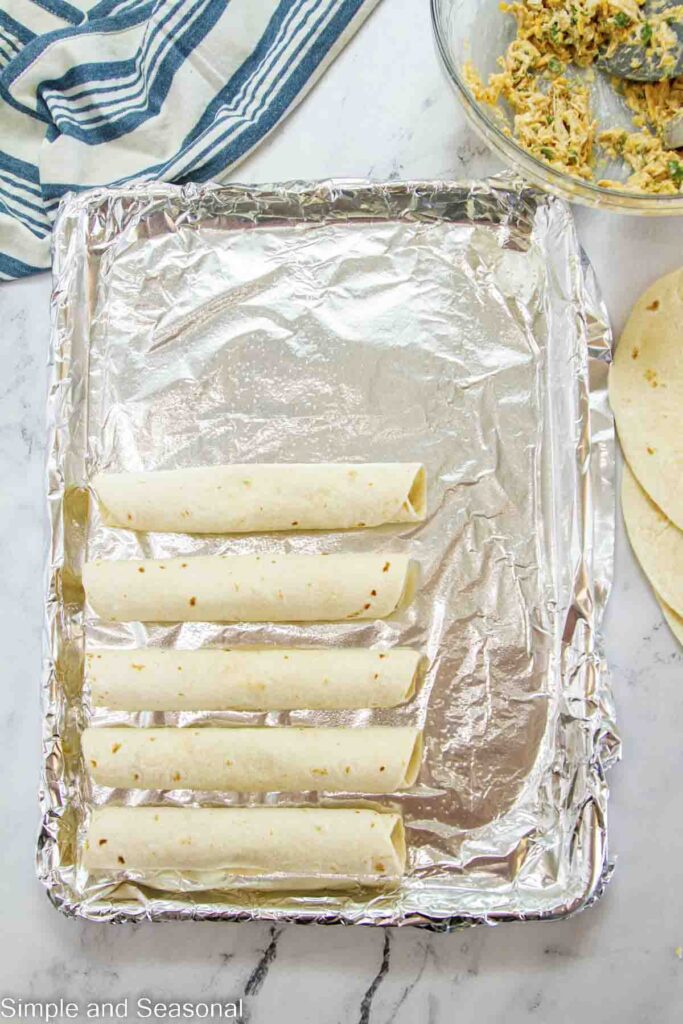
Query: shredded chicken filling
{"points": [[551, 109]]}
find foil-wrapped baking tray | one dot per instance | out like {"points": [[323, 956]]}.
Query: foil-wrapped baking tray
{"points": [[457, 324]]}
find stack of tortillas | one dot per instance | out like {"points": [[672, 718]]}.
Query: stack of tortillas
{"points": [[646, 393]]}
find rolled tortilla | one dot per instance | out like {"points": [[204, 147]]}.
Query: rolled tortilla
{"points": [[255, 498], [251, 680], [249, 588], [255, 847], [379, 759]]}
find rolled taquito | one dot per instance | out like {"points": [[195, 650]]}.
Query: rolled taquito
{"points": [[256, 498], [250, 588], [276, 679], [378, 759], [256, 847]]}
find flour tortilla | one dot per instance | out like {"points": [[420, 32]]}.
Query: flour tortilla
{"points": [[276, 679], [378, 759], [255, 498], [657, 543], [250, 588], [674, 620], [254, 847], [646, 393]]}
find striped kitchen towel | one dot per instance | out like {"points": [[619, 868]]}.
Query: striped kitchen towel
{"points": [[135, 90]]}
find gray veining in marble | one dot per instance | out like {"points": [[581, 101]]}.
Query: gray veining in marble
{"points": [[382, 110]]}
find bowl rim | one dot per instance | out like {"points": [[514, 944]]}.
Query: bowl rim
{"points": [[576, 189]]}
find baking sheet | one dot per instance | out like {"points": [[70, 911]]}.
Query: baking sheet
{"points": [[457, 324]]}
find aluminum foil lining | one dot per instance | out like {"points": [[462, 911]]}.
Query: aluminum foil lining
{"points": [[457, 324]]}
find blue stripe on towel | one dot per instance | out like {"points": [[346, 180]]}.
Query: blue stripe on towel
{"points": [[92, 93]]}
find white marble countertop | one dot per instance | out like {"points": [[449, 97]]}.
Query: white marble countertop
{"points": [[616, 961]]}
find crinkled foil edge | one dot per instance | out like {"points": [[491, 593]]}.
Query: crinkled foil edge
{"points": [[583, 655]]}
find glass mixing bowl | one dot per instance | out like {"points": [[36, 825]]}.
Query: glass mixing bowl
{"points": [[479, 31]]}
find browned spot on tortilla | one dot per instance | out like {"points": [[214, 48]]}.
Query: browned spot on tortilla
{"points": [[141, 568], [382, 655], [651, 377], [319, 771], [387, 566], [183, 565], [376, 675], [361, 524], [650, 451], [180, 668], [379, 866], [635, 352], [193, 601], [138, 668], [115, 747], [365, 607], [93, 762], [654, 306], [382, 767], [120, 859], [295, 522], [176, 776], [136, 777], [101, 842], [129, 517], [373, 593]]}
